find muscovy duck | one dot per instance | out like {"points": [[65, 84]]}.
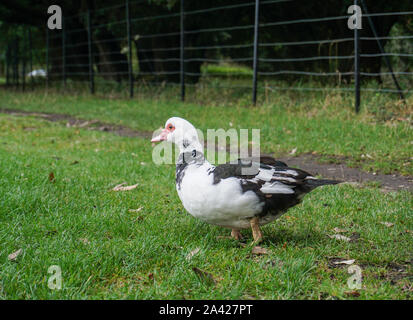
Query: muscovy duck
{"points": [[222, 195]]}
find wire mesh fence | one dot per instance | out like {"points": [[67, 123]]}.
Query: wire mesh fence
{"points": [[241, 46]]}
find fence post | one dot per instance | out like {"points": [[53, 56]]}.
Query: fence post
{"points": [[129, 35], [24, 62], [16, 62], [7, 64], [386, 58], [357, 65], [182, 50], [255, 62], [90, 53], [47, 57], [64, 52], [30, 56]]}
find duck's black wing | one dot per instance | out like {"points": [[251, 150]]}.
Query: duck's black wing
{"points": [[276, 184]]}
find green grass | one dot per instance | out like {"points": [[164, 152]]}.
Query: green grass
{"points": [[379, 139], [143, 255]]}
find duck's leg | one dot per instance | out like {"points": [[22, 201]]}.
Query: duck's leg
{"points": [[236, 234], [256, 231]]}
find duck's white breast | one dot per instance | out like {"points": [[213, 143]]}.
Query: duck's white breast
{"points": [[221, 204]]}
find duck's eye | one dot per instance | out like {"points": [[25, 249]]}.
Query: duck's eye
{"points": [[170, 127]]}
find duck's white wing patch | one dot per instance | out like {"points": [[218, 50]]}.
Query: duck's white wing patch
{"points": [[277, 187], [265, 174]]}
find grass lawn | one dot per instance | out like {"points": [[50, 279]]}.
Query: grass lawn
{"points": [[106, 251], [379, 139]]}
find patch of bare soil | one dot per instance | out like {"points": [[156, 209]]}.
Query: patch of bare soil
{"points": [[307, 162]]}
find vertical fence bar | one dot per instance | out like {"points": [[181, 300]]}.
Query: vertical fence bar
{"points": [[182, 50], [357, 65], [24, 57], [47, 57], [30, 56], [8, 65], [64, 52], [90, 53], [13, 62], [386, 58], [255, 62], [129, 35], [16, 62]]}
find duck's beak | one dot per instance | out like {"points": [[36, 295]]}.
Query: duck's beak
{"points": [[161, 137]]}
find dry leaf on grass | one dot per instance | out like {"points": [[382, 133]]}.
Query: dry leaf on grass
{"points": [[338, 230], [294, 151], [387, 224], [51, 177], [192, 253], [259, 250], [347, 262], [352, 294], [135, 210], [13, 256], [121, 187], [340, 237]]}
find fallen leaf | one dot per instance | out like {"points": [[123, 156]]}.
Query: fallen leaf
{"points": [[13, 256], [387, 224], [338, 230], [51, 177], [121, 187], [347, 262], [150, 276], [74, 162], [259, 250], [135, 210], [204, 276], [192, 253], [294, 151], [352, 293], [340, 237]]}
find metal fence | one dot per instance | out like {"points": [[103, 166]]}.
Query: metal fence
{"points": [[134, 52]]}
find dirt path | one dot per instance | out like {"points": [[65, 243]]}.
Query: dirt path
{"points": [[308, 163]]}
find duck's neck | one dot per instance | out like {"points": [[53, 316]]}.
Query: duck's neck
{"points": [[187, 147]]}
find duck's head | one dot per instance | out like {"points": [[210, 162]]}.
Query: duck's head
{"points": [[182, 133]]}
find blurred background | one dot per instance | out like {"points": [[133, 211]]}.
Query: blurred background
{"points": [[130, 45]]}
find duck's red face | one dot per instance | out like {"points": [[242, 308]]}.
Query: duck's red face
{"points": [[163, 136]]}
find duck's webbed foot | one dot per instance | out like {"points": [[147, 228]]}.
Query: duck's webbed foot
{"points": [[256, 231], [236, 234]]}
